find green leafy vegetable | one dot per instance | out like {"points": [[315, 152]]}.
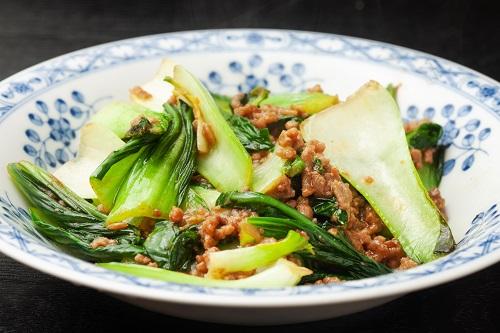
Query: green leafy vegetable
{"points": [[329, 208], [295, 167], [257, 95], [318, 166], [157, 178], [226, 164], [246, 259], [200, 197], [173, 248], [281, 274], [333, 249], [268, 174], [426, 135], [431, 173], [68, 220], [252, 138]]}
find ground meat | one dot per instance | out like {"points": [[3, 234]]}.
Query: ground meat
{"points": [[236, 100], [363, 229], [220, 224], [201, 266], [407, 263], [144, 260], [102, 209], [117, 226], [315, 89], [343, 194], [195, 216], [146, 226], [411, 125], [260, 117], [283, 190], [102, 242], [289, 142], [238, 275], [291, 124], [303, 207], [416, 156], [429, 155], [328, 279], [176, 215], [435, 195], [140, 93], [321, 183], [259, 157]]}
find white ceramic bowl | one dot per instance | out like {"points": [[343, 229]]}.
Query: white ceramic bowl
{"points": [[43, 108]]}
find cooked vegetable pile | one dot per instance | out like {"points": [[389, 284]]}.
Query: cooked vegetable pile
{"points": [[256, 190]]}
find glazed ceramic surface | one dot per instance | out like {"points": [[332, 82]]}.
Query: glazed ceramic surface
{"points": [[43, 108]]}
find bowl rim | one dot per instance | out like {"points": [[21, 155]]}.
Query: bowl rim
{"points": [[329, 296]]}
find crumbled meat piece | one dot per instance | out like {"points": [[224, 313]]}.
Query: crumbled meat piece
{"points": [[429, 155], [146, 226], [144, 260], [259, 157], [238, 275], [220, 224], [172, 100], [289, 141], [176, 215], [304, 207], [284, 189], [324, 182], [236, 100], [195, 216], [292, 203], [315, 89], [259, 117], [102, 209], [117, 226], [201, 267], [407, 263], [328, 279], [416, 156], [363, 228], [102, 242], [411, 125], [140, 93], [435, 195], [291, 124]]}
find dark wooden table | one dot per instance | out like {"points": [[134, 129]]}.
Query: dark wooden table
{"points": [[31, 31]]}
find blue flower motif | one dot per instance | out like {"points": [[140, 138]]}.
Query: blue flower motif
{"points": [[255, 72], [62, 121], [255, 38]]}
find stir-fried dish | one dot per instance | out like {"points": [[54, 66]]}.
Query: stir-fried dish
{"points": [[256, 190]]}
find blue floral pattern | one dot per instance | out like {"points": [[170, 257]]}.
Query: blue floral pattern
{"points": [[64, 120], [482, 239], [460, 131], [257, 72]]}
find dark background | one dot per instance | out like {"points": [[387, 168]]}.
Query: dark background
{"points": [[466, 32]]}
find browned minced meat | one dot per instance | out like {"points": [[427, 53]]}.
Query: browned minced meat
{"points": [[407, 263], [289, 142], [221, 223], [102, 242], [146, 226], [315, 89], [291, 124], [201, 266], [259, 157], [363, 228], [416, 156], [328, 279], [144, 260], [238, 275], [117, 226], [324, 184], [411, 125], [141, 93], [236, 100], [102, 209], [176, 215], [429, 155], [283, 190], [260, 117], [435, 195], [304, 207]]}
